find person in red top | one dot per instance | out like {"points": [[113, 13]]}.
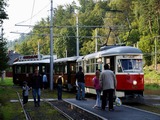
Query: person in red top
{"points": [[97, 87]]}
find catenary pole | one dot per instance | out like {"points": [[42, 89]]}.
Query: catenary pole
{"points": [[77, 34], [51, 48]]}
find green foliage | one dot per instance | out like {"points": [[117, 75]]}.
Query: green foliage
{"points": [[145, 44], [3, 50], [151, 74], [3, 14], [152, 86], [151, 78], [143, 17], [3, 55]]}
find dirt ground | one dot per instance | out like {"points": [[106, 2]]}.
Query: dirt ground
{"points": [[152, 92]]}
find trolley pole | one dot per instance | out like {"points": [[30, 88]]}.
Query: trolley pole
{"points": [[51, 47], [96, 49]]}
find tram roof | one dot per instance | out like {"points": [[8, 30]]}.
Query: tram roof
{"points": [[80, 58], [119, 50], [122, 50], [32, 62], [65, 59]]}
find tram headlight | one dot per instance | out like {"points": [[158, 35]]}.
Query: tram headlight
{"points": [[134, 82]]}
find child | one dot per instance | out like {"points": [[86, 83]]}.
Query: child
{"points": [[25, 92]]}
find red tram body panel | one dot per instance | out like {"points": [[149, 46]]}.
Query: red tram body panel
{"points": [[88, 80], [125, 82]]}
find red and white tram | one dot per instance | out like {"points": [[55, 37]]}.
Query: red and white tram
{"points": [[125, 61]]}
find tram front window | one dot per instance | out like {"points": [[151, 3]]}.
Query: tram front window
{"points": [[129, 65]]}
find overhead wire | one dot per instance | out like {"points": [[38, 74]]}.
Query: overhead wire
{"points": [[33, 15], [32, 11]]}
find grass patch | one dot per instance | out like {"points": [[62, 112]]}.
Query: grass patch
{"points": [[152, 86], [9, 111], [8, 81], [151, 79]]}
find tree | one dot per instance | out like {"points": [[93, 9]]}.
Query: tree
{"points": [[3, 50], [3, 14], [3, 56]]}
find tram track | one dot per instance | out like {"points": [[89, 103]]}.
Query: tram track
{"points": [[27, 116], [65, 110], [75, 112], [59, 110], [27, 112]]}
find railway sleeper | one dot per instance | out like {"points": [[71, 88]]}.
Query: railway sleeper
{"points": [[73, 111]]}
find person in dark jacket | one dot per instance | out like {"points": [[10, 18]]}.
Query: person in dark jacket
{"points": [[81, 84], [36, 85], [59, 87]]}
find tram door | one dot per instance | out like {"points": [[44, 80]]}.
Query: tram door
{"points": [[111, 62]]}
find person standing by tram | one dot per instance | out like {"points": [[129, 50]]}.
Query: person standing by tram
{"points": [[97, 87], [59, 82], [36, 85], [45, 81], [108, 83], [81, 84]]}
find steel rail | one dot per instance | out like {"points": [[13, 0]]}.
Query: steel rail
{"points": [[63, 113], [27, 116]]}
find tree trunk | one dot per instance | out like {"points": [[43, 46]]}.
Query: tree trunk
{"points": [[2, 75]]}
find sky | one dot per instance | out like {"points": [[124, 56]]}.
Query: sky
{"points": [[27, 12]]}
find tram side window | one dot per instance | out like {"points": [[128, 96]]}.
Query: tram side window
{"points": [[99, 64], [87, 66], [43, 69], [56, 69], [73, 68], [23, 69], [111, 62], [61, 69], [90, 66], [93, 67], [18, 69], [30, 69], [99, 67], [107, 61], [119, 67], [65, 69], [48, 69]]}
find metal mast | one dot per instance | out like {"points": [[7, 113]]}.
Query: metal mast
{"points": [[51, 47], [77, 34]]}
